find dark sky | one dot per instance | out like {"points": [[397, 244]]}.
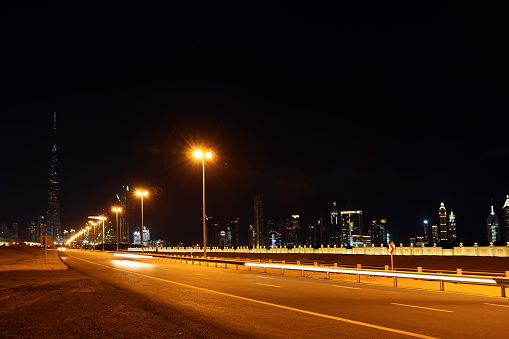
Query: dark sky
{"points": [[393, 107]]}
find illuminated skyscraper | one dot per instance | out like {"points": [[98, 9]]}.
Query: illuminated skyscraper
{"points": [[435, 233], [351, 227], [53, 227], [123, 217], [442, 217], [259, 232], [427, 232], [492, 223], [292, 231], [452, 228], [378, 232], [232, 234], [335, 234]]}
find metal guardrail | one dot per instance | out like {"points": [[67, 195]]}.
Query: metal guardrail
{"points": [[296, 265]]}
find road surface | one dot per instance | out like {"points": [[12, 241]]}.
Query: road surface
{"points": [[256, 304]]}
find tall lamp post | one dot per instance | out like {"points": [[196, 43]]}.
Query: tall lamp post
{"points": [[116, 210], [202, 155], [103, 218], [94, 236], [142, 194]]}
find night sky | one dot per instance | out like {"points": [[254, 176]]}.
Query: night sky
{"points": [[390, 108]]}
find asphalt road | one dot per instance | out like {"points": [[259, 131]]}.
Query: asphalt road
{"points": [[256, 304]]}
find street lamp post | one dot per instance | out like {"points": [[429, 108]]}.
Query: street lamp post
{"points": [[103, 218], [142, 194], [200, 154], [94, 233], [116, 210], [88, 236]]}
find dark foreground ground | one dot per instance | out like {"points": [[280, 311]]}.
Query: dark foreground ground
{"points": [[39, 300]]}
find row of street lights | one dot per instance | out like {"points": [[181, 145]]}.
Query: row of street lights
{"points": [[144, 193]]}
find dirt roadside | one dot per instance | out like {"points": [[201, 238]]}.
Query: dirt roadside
{"points": [[39, 300]]}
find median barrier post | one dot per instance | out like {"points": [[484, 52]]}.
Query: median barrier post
{"points": [[359, 266], [459, 271], [419, 269], [386, 267], [335, 264]]}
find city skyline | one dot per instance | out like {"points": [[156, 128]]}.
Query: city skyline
{"points": [[395, 108]]}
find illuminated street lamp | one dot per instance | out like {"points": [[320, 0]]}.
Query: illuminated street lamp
{"points": [[94, 236], [142, 194], [202, 155], [116, 210], [99, 218]]}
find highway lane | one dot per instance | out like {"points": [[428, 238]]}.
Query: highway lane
{"points": [[255, 304]]}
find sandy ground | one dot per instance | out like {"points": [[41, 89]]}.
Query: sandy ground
{"points": [[39, 300]]}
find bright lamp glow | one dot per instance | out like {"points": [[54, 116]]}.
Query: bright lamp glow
{"points": [[200, 154]]}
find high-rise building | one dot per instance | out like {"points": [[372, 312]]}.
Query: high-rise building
{"points": [[351, 228], [442, 217], [282, 226], [292, 231], [453, 237], [259, 232], [492, 224], [506, 217], [378, 232], [427, 233], [232, 233], [53, 226], [319, 233], [137, 236], [31, 232], [212, 232], [123, 217], [251, 237], [272, 235], [41, 228], [435, 233], [335, 234]]}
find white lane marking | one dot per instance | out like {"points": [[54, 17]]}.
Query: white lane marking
{"points": [[353, 288], [424, 308], [496, 305], [267, 285], [261, 276], [203, 275]]}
